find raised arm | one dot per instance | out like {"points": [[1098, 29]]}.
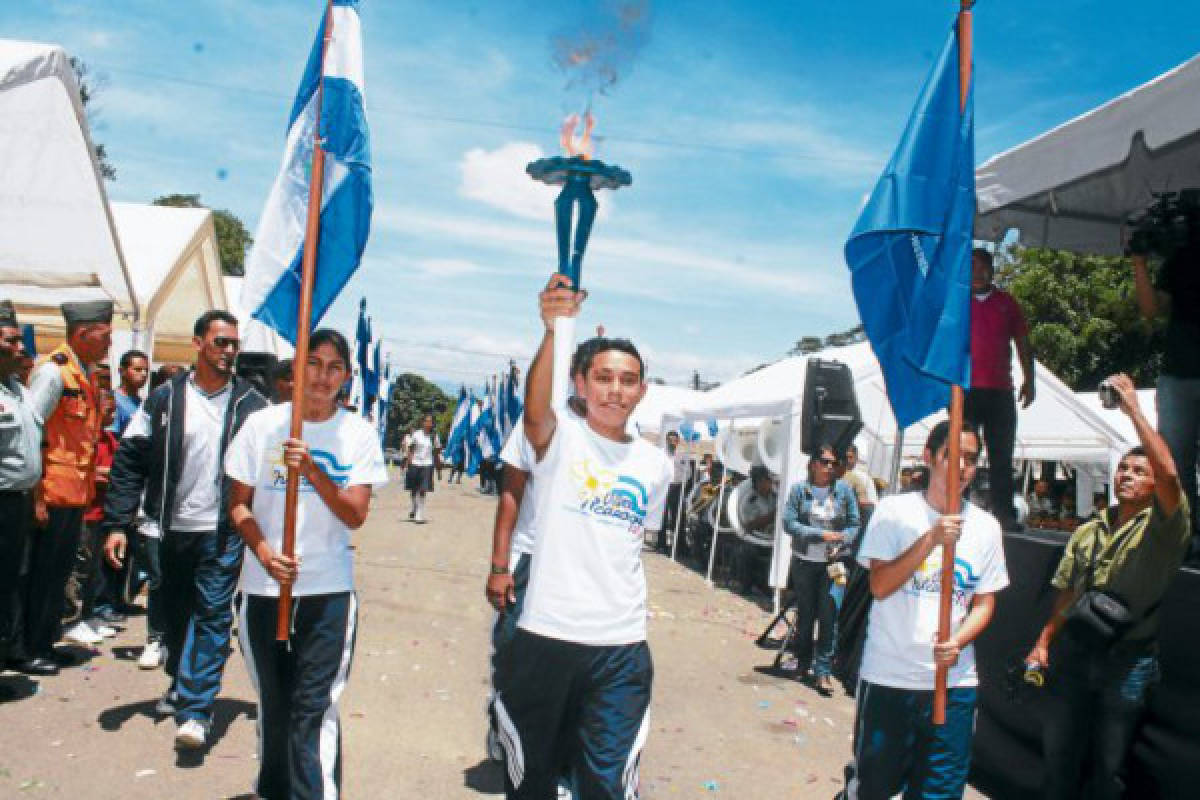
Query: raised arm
{"points": [[558, 299], [1167, 486], [1151, 302]]}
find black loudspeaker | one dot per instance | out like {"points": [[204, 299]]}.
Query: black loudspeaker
{"points": [[257, 368], [830, 412]]}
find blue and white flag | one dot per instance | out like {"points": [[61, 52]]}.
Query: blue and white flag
{"points": [[910, 252], [513, 400], [474, 452], [460, 427], [271, 292]]}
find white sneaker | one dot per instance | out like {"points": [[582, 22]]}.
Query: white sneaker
{"points": [[105, 631], [190, 735], [82, 635], [152, 657]]}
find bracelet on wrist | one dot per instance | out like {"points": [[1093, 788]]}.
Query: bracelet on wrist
{"points": [[499, 570]]}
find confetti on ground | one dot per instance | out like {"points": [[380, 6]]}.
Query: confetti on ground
{"points": [[764, 704], [712, 786], [143, 773]]}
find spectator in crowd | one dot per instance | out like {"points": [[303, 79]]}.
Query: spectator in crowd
{"points": [[169, 465], [101, 375], [704, 472], [679, 475], [918, 479], [1176, 296], [83, 622], [20, 471], [856, 475], [1100, 676], [299, 685], [996, 322], [896, 746], [906, 474], [821, 514], [757, 511], [281, 382], [424, 447], [1041, 503], [64, 395], [134, 371]]}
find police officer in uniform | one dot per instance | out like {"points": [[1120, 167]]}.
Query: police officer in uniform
{"points": [[20, 469], [64, 395]]}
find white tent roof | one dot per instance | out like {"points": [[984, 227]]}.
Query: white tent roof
{"points": [[1056, 427], [660, 401], [1074, 187], [58, 240], [1116, 418]]}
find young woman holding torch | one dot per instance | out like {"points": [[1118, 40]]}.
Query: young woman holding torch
{"points": [[300, 681]]}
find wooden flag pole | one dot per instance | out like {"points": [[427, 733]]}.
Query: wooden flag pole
{"points": [[953, 443], [308, 273]]}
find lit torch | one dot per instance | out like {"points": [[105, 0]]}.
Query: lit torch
{"points": [[578, 174]]}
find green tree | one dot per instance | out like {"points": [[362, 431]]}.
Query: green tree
{"points": [[412, 398], [88, 86], [233, 240], [1083, 318]]}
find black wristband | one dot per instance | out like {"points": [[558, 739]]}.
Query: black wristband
{"points": [[495, 570]]}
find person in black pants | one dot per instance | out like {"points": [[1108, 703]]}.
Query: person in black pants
{"points": [[679, 462], [996, 323], [20, 469], [820, 514]]}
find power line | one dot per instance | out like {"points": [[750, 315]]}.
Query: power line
{"points": [[670, 144]]}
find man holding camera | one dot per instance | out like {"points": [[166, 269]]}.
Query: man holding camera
{"points": [[1110, 582]]}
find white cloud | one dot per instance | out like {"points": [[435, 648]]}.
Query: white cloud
{"points": [[497, 178], [447, 267]]}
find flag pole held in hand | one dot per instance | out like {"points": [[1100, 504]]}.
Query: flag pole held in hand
{"points": [[308, 273], [953, 456]]}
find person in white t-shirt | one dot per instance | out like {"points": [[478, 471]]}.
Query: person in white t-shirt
{"points": [[339, 460], [574, 684], [513, 536], [423, 450], [897, 748]]}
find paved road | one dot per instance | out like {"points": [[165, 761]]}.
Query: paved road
{"points": [[413, 721]]}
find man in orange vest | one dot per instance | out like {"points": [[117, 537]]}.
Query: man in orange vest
{"points": [[64, 395]]}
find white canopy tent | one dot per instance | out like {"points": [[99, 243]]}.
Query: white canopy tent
{"points": [[647, 419], [1056, 427], [59, 240], [1075, 186]]}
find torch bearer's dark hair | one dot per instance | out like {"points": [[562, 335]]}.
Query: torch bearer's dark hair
{"points": [[602, 344], [332, 338]]}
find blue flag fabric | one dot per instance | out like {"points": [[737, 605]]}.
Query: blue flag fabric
{"points": [[459, 428], [910, 252], [271, 291], [513, 401]]}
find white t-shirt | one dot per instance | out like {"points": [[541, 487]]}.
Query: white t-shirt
{"points": [[596, 497], [346, 447], [423, 445], [198, 493], [903, 626], [519, 454]]}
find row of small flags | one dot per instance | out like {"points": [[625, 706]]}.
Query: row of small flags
{"points": [[482, 422]]}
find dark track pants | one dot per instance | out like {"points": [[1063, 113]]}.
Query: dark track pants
{"points": [[16, 514], [814, 608], [299, 685], [897, 748], [995, 412], [585, 706], [51, 558], [199, 576]]}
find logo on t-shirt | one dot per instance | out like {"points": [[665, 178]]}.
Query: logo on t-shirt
{"points": [[610, 496], [928, 578], [338, 473]]}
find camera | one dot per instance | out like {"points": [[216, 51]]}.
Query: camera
{"points": [[1108, 395]]}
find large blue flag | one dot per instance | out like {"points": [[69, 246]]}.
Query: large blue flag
{"points": [[910, 252], [272, 289], [460, 427]]}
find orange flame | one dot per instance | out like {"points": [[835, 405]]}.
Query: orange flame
{"points": [[581, 146]]}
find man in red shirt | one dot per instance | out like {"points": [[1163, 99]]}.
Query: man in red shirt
{"points": [[996, 322]]}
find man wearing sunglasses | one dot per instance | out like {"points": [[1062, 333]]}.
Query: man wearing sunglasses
{"points": [[170, 460]]}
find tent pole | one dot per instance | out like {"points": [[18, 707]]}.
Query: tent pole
{"points": [[679, 508], [712, 553], [897, 455]]}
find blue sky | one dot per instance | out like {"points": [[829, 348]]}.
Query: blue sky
{"points": [[753, 132]]}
